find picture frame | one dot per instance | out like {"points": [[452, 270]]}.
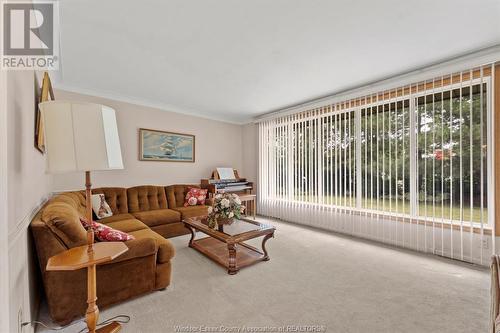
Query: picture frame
{"points": [[163, 146], [42, 94]]}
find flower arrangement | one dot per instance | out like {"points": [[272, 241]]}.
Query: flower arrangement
{"points": [[226, 207]]}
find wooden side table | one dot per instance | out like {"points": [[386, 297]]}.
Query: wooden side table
{"points": [[81, 257], [252, 198]]}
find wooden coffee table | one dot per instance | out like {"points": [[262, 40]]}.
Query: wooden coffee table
{"points": [[226, 245]]}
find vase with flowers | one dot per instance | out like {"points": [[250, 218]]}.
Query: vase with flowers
{"points": [[226, 207]]}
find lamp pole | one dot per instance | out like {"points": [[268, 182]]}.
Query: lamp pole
{"points": [[88, 203]]}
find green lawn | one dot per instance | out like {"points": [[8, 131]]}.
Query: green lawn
{"points": [[403, 207]]}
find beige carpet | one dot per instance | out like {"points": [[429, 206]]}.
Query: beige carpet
{"points": [[316, 278]]}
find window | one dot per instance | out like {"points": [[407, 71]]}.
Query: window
{"points": [[419, 155], [452, 154], [339, 159], [359, 155], [385, 156]]}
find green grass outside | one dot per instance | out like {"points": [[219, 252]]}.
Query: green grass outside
{"points": [[403, 207]]}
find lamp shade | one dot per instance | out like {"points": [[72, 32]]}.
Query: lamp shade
{"points": [[80, 137]]}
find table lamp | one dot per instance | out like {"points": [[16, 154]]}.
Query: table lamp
{"points": [[83, 137]]}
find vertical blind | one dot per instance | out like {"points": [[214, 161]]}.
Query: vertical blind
{"points": [[410, 166]]}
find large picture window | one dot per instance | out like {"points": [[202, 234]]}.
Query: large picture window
{"points": [[452, 154], [385, 157], [419, 153]]}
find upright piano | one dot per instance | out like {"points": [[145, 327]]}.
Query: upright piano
{"points": [[237, 185]]}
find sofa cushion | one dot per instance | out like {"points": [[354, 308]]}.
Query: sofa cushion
{"points": [[144, 198], [64, 221], [176, 194], [171, 230], [137, 248], [116, 197], [118, 217], [166, 250], [158, 216], [192, 211], [127, 225], [74, 199]]}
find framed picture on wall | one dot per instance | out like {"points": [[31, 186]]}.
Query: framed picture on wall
{"points": [[164, 146], [42, 94]]}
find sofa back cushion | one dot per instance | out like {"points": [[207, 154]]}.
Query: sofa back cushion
{"points": [[75, 199], [176, 194], [64, 221], [144, 198], [116, 197]]}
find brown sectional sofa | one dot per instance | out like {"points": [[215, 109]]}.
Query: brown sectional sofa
{"points": [[149, 213]]}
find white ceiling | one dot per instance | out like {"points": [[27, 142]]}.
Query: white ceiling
{"points": [[234, 60]]}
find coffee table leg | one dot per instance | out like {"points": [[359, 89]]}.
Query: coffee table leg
{"points": [[193, 235], [232, 259], [266, 256]]}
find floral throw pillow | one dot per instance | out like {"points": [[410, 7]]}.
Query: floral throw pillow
{"points": [[104, 233], [195, 196]]}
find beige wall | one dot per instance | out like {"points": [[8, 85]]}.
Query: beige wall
{"points": [[28, 182], [27, 187], [4, 227], [217, 144], [251, 155]]}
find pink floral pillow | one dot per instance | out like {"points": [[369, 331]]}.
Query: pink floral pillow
{"points": [[107, 234], [195, 196]]}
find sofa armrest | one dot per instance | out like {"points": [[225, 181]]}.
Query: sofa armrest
{"points": [[137, 248]]}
